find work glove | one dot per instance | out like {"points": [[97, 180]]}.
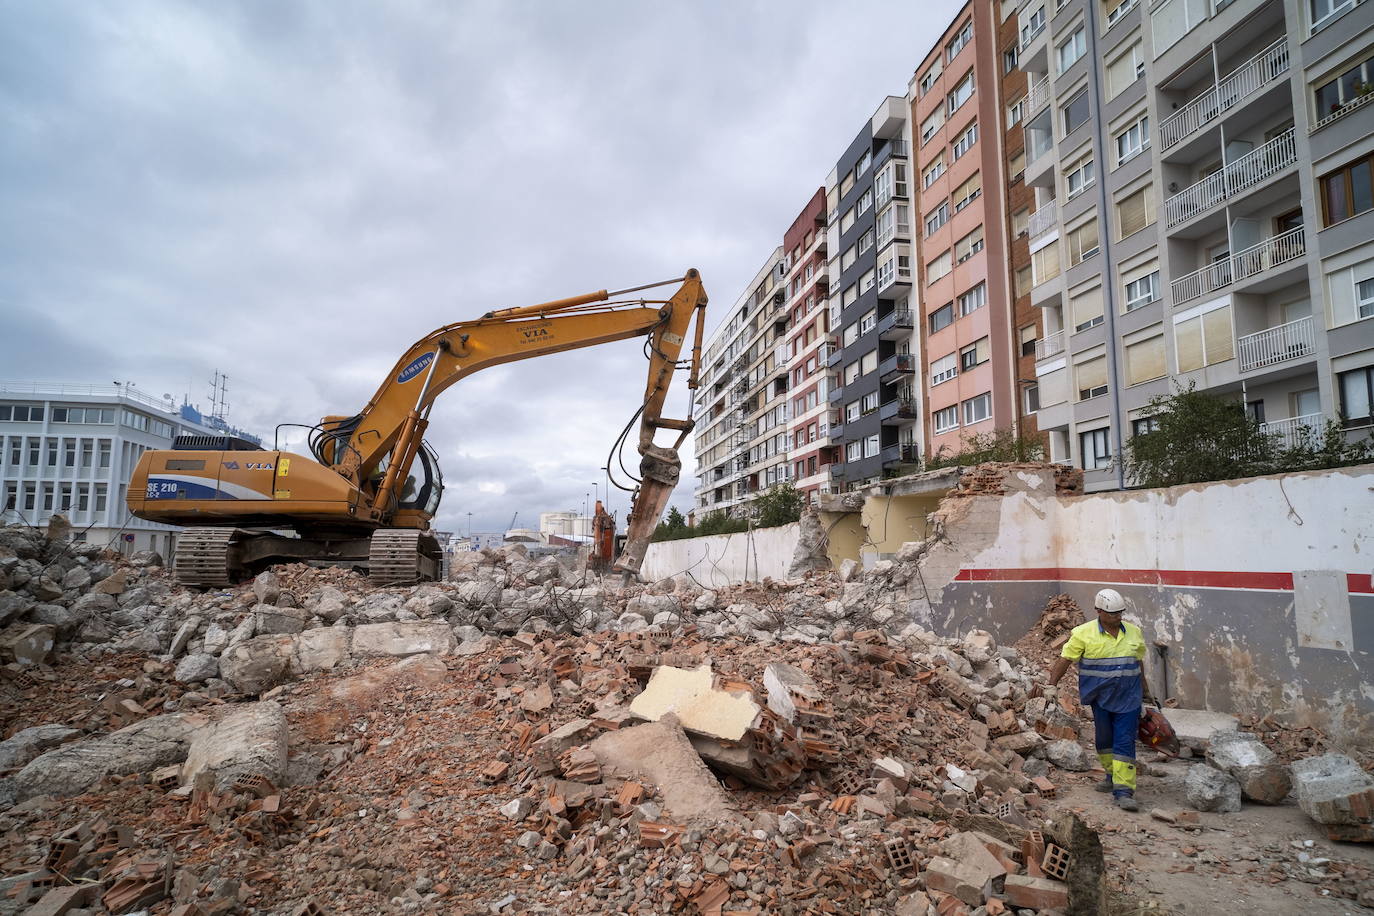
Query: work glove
{"points": [[1051, 697]]}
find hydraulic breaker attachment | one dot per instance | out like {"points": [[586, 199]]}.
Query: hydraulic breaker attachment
{"points": [[659, 469]]}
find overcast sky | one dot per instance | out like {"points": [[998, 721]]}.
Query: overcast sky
{"points": [[294, 192]]}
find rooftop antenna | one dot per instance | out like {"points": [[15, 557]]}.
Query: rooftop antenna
{"points": [[219, 395]]}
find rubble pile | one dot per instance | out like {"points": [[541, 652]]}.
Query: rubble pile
{"points": [[530, 738]]}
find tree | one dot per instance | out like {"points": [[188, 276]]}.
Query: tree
{"points": [[779, 505], [718, 522], [982, 448], [672, 528]]}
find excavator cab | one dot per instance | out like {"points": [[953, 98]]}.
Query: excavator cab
{"points": [[423, 491]]}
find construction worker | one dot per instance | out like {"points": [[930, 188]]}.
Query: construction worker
{"points": [[1111, 679]]}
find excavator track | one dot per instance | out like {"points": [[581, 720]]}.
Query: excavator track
{"points": [[402, 556], [202, 557]]}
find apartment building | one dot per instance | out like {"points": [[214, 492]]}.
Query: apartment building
{"points": [[966, 359], [1202, 175], [876, 422], [71, 449], [741, 410], [809, 348]]}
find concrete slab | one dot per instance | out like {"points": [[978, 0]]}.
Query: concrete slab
{"points": [[1194, 727]]}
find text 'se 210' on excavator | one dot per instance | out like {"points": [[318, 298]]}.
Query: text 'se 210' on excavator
{"points": [[365, 496]]}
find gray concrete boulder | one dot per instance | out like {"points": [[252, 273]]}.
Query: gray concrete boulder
{"points": [[77, 578], [269, 618], [65, 619], [329, 604], [250, 741], [1325, 785], [24, 746], [1194, 727], [266, 587], [94, 603], [145, 559], [396, 639], [810, 554], [321, 649], [257, 664], [13, 606], [139, 748], [1069, 755], [1262, 777], [193, 669], [1209, 789]]}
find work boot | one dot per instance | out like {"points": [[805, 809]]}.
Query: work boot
{"points": [[1106, 785], [1127, 803]]}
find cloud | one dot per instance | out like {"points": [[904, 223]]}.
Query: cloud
{"points": [[293, 193]]}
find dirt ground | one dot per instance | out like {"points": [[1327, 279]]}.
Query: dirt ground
{"points": [[1245, 862]]}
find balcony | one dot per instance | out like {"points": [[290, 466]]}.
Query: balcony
{"points": [[1303, 430], [1272, 346], [900, 454], [1049, 345], [832, 358], [896, 324], [893, 278], [896, 366], [1254, 167], [1043, 220], [836, 394], [1258, 71], [1030, 33], [1038, 96], [1272, 252], [897, 411]]}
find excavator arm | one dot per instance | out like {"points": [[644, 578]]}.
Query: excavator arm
{"points": [[376, 448]]}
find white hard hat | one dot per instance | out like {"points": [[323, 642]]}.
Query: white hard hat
{"points": [[1110, 600]]}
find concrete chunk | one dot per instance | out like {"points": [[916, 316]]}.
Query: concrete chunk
{"points": [[73, 768], [257, 664], [1333, 789], [1209, 789], [966, 882], [415, 638], [1037, 893], [659, 754], [250, 741], [1261, 776], [321, 649], [689, 693], [1194, 727], [25, 745]]}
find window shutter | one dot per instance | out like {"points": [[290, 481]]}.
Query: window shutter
{"points": [[1045, 262], [1086, 307], [1131, 211], [1188, 343], [984, 350], [1091, 374], [1216, 328], [1145, 360]]}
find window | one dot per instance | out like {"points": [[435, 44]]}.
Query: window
{"points": [[853, 451], [937, 218], [973, 299], [946, 418], [1032, 396], [1009, 58], [1045, 263], [957, 44], [942, 317], [1124, 70], [891, 221], [1075, 112], [1020, 222], [850, 335], [1143, 425], [944, 369], [1203, 339], [1079, 177], [1145, 360], [938, 267], [931, 75], [101, 490], [1090, 378], [1364, 298], [847, 297], [864, 162], [1086, 309], [868, 322], [968, 246], [934, 171], [1348, 191], [1323, 10], [1096, 449], [852, 411], [891, 182], [104, 454], [1357, 394], [1142, 288], [978, 409], [1133, 140], [1116, 9], [961, 93], [865, 241], [931, 124], [865, 201], [1016, 166], [868, 362], [865, 282], [846, 220], [872, 446], [1027, 337], [968, 192], [851, 373], [1035, 22], [1135, 211], [869, 402], [964, 142], [1335, 94], [1072, 48], [1024, 280], [975, 354], [1016, 112], [21, 413], [848, 257], [1082, 242]]}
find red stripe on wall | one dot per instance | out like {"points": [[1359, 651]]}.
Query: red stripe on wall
{"points": [[1359, 583]]}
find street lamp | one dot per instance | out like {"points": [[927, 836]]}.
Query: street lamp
{"points": [[596, 491], [469, 526]]}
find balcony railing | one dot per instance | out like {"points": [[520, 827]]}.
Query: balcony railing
{"points": [[897, 365], [1043, 220], [1294, 431], [1038, 96], [1249, 170], [1272, 252], [1272, 346], [898, 320], [1049, 345], [1265, 67]]}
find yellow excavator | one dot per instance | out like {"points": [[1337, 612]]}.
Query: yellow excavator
{"points": [[367, 493]]}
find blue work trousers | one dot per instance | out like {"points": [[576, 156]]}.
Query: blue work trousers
{"points": [[1115, 734]]}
